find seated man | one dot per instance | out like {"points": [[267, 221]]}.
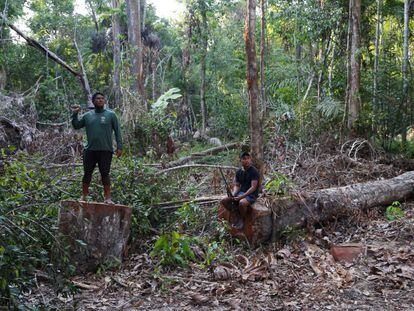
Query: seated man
{"points": [[245, 191]]}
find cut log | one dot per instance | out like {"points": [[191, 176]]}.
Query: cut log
{"points": [[96, 232], [258, 227], [321, 205]]}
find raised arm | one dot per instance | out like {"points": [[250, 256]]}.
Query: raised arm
{"points": [[76, 123]]}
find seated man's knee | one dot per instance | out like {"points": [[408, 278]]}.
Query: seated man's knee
{"points": [[226, 201], [244, 206]]}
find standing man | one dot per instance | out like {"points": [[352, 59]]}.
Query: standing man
{"points": [[245, 191], [99, 124]]}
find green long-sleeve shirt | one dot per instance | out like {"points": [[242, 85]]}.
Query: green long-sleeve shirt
{"points": [[99, 125]]}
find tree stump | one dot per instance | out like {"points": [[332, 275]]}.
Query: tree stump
{"points": [[258, 226], [96, 232]]}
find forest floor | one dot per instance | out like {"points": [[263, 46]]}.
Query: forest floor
{"points": [[298, 273]]}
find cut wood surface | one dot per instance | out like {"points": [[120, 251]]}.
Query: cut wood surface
{"points": [[201, 154], [96, 232]]}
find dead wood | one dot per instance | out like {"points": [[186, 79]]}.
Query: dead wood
{"points": [[176, 204], [17, 122], [207, 152], [34, 43], [197, 165]]}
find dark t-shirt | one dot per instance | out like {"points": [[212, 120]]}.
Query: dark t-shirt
{"points": [[245, 177]]}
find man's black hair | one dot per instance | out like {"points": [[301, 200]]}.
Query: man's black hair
{"points": [[244, 153], [96, 94]]}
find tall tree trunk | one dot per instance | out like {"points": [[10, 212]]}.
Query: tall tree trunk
{"points": [[143, 14], [256, 132], [135, 42], [376, 59], [262, 56], [203, 70], [186, 58], [354, 100], [405, 101], [348, 63], [376, 62], [116, 30]]}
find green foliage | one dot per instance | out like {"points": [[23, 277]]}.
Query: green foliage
{"points": [[394, 211], [173, 249], [27, 229], [279, 184], [159, 108], [330, 108]]}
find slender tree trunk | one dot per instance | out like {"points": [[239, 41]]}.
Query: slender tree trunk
{"points": [[87, 88], [186, 58], [376, 59], [135, 42], [3, 78], [256, 132], [354, 101], [117, 54], [93, 15], [376, 63], [143, 14], [154, 72], [262, 56], [348, 63], [203, 71], [405, 101], [331, 68]]}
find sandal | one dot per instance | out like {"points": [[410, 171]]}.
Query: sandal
{"points": [[109, 201]]}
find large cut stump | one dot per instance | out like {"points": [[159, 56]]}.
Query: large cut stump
{"points": [[270, 219], [96, 232], [258, 226]]}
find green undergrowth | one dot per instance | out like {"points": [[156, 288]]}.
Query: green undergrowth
{"points": [[30, 195], [195, 236]]}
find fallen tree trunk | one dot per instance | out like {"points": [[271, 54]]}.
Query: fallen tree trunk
{"points": [[36, 44], [207, 152], [322, 205], [197, 166]]}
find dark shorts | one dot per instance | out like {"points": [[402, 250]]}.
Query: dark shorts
{"points": [[93, 157], [249, 198]]}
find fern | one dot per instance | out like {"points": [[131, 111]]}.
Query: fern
{"points": [[330, 108]]}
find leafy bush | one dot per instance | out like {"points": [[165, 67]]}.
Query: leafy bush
{"points": [[279, 184], [394, 211], [28, 229], [173, 249]]}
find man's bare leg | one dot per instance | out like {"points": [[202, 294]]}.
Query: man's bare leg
{"points": [[107, 194], [85, 191], [244, 208]]}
